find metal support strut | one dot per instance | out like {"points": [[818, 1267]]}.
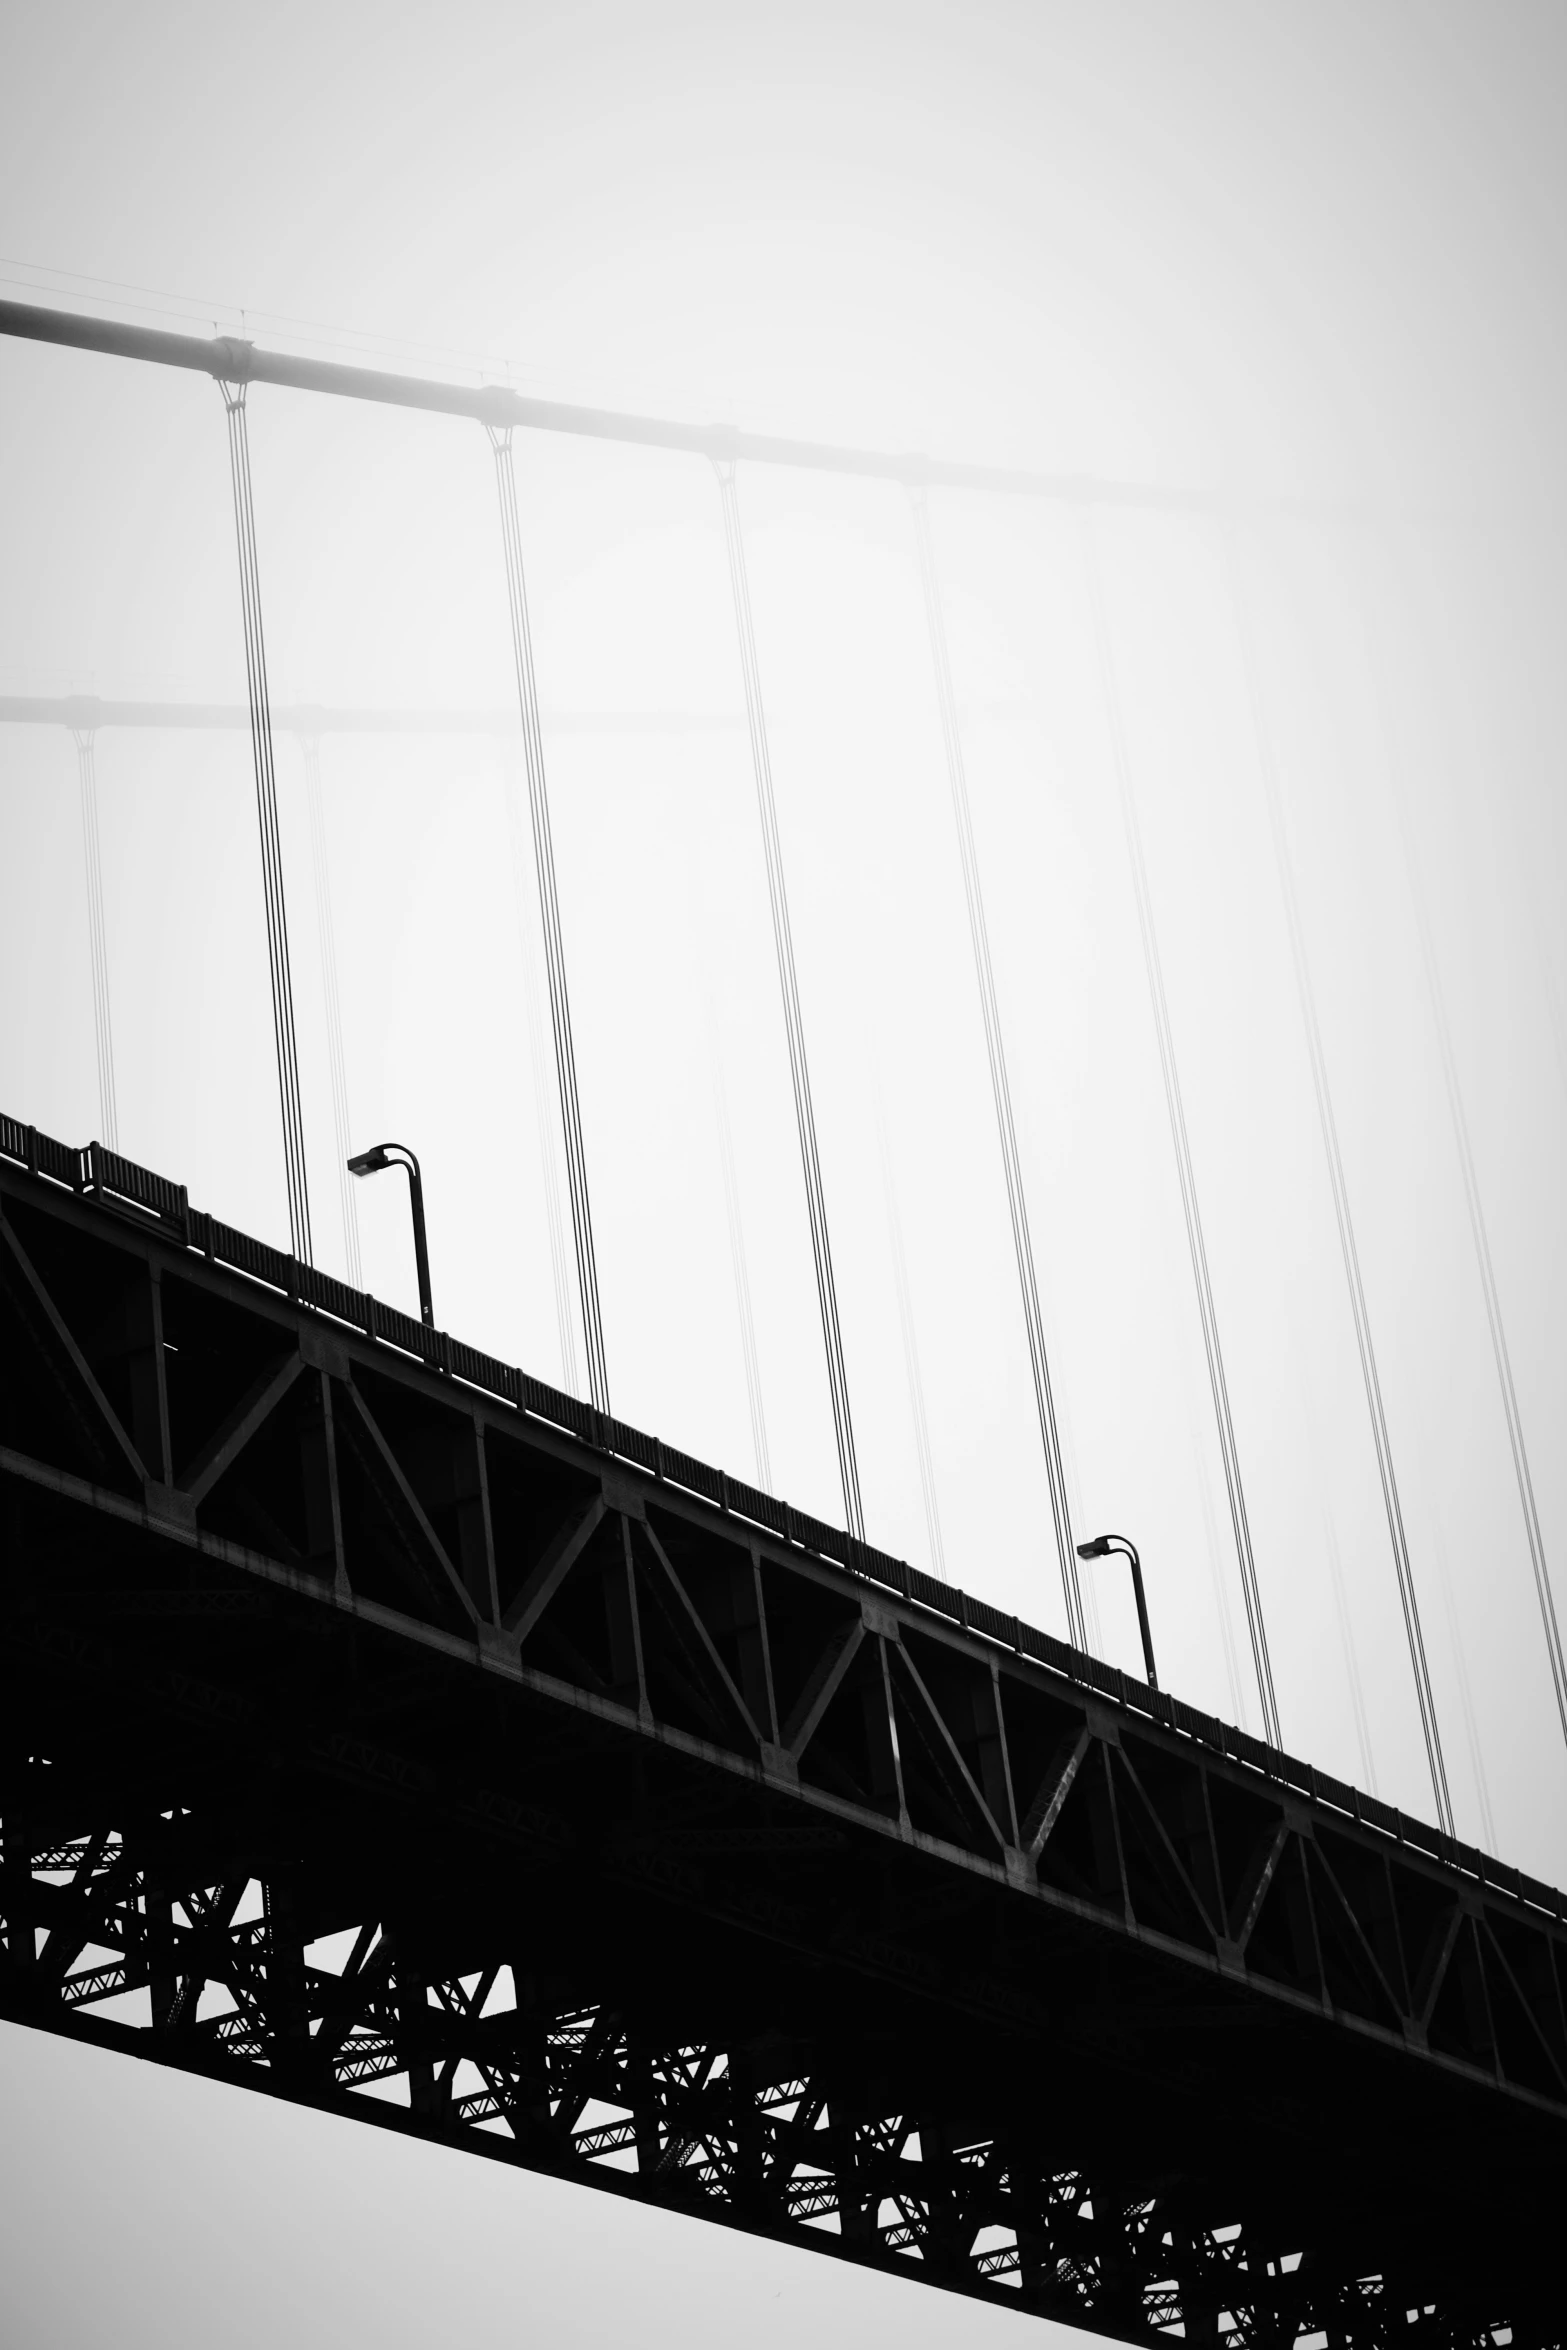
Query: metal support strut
{"points": [[549, 913], [1176, 1108], [979, 937], [1424, 1695], [794, 1026], [85, 740], [267, 817]]}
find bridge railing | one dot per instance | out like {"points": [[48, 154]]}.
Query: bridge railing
{"points": [[121, 1187]]}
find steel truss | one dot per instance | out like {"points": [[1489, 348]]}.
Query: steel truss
{"points": [[383, 1731]]}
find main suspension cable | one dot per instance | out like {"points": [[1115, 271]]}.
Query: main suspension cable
{"points": [[1424, 1695], [794, 1024], [326, 945], [549, 911], [85, 740], [267, 818], [1001, 1091], [1175, 1108], [1479, 1233]]}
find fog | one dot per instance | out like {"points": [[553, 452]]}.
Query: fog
{"points": [[1304, 265]]}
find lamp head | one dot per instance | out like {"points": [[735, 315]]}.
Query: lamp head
{"points": [[370, 1162], [1098, 1548]]}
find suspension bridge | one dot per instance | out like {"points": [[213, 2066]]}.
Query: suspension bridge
{"points": [[377, 1714]]}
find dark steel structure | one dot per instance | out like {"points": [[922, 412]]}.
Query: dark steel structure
{"points": [[378, 1723]]}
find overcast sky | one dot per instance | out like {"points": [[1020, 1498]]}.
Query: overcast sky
{"points": [[1296, 254]]}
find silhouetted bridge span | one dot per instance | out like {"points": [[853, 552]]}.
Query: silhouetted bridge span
{"points": [[378, 1719]]}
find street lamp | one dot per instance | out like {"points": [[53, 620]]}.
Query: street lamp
{"points": [[1116, 1545], [393, 1154]]}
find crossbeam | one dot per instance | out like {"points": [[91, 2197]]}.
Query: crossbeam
{"points": [[384, 1730]]}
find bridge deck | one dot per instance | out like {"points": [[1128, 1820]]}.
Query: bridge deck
{"points": [[386, 1730]]}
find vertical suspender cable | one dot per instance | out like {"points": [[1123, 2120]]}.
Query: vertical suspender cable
{"points": [[1477, 1224], [326, 944], [97, 939], [1346, 1633], [544, 1116], [549, 911], [979, 939], [1499, 589], [1176, 1110], [1221, 1596], [1482, 1784], [1346, 1628], [1493, 1310], [911, 1352], [794, 1025], [740, 1266], [1425, 1698], [267, 817], [739, 1262]]}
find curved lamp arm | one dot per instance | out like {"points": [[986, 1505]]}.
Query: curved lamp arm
{"points": [[396, 1154], [1116, 1545]]}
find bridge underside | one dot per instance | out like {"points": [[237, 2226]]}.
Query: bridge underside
{"points": [[371, 1740]]}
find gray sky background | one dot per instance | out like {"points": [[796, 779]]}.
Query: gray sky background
{"points": [[1294, 252]]}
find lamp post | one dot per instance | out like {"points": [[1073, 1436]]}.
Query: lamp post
{"points": [[1116, 1545], [393, 1154]]}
